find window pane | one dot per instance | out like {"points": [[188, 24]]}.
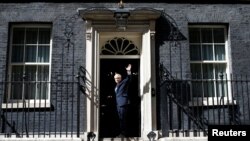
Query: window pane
{"points": [[194, 35], [31, 35], [43, 77], [16, 90], [30, 73], [207, 52], [30, 84], [30, 53], [43, 73], [219, 36], [220, 71], [208, 88], [207, 71], [44, 36], [17, 73], [42, 90], [29, 90], [197, 89], [43, 54], [219, 52], [18, 36], [212, 75], [17, 53], [196, 71], [195, 52], [206, 35], [30, 45], [221, 88], [17, 82]]}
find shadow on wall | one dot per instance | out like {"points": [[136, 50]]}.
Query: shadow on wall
{"points": [[167, 30]]}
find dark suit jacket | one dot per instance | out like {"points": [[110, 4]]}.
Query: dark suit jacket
{"points": [[121, 91]]}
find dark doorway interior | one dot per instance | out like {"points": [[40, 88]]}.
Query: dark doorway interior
{"points": [[109, 123]]}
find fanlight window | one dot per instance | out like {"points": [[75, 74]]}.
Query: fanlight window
{"points": [[119, 46]]}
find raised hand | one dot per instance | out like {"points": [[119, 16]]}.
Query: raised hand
{"points": [[128, 68]]}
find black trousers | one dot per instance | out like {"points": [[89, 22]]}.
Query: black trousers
{"points": [[123, 117]]}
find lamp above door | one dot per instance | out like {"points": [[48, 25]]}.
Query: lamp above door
{"points": [[120, 17]]}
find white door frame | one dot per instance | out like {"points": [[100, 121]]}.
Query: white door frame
{"points": [[147, 73]]}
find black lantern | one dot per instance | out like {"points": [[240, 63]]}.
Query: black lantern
{"points": [[121, 17]]}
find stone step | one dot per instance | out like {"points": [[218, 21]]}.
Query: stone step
{"points": [[122, 139]]}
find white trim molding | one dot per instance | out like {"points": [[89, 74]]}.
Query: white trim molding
{"points": [[102, 27]]}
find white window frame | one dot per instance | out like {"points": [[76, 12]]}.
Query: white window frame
{"points": [[212, 101], [28, 103]]}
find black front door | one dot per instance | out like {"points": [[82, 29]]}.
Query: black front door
{"points": [[109, 123]]}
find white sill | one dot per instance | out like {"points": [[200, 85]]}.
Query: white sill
{"points": [[33, 104], [211, 102]]}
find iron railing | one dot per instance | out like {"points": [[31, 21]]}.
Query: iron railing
{"points": [[58, 114], [194, 103], [198, 103]]}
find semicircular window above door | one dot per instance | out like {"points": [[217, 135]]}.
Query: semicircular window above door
{"points": [[119, 46]]}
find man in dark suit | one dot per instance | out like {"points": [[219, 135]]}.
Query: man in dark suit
{"points": [[122, 100]]}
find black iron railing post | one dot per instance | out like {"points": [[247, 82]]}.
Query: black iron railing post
{"points": [[91, 136], [78, 106], [151, 136]]}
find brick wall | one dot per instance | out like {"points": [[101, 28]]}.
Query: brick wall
{"points": [[67, 60]]}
